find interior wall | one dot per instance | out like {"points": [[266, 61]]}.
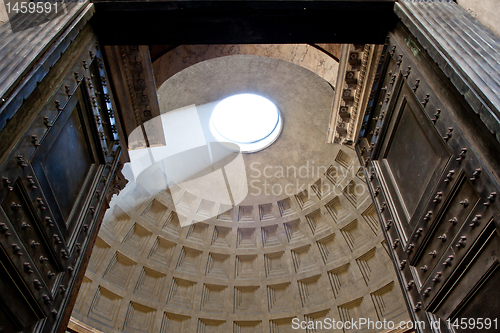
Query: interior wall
{"points": [[4, 17], [485, 11]]}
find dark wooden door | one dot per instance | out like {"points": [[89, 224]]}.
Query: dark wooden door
{"points": [[59, 151], [432, 169]]}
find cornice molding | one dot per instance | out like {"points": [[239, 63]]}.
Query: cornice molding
{"points": [[135, 90], [354, 80]]}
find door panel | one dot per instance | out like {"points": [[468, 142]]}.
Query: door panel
{"points": [[66, 182], [414, 156], [411, 156], [474, 307], [16, 313], [26, 226], [471, 284], [66, 159], [446, 227]]}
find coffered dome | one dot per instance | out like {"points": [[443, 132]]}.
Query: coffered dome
{"points": [[170, 260]]}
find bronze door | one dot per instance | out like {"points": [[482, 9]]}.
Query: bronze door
{"points": [[55, 176], [431, 170]]}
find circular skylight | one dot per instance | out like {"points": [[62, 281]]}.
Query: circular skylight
{"points": [[250, 121]]}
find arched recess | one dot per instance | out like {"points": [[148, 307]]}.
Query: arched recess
{"points": [[320, 59]]}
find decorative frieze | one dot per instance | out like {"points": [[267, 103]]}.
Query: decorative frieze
{"points": [[357, 67], [135, 89]]}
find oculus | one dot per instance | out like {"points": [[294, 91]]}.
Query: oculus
{"points": [[250, 121]]}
